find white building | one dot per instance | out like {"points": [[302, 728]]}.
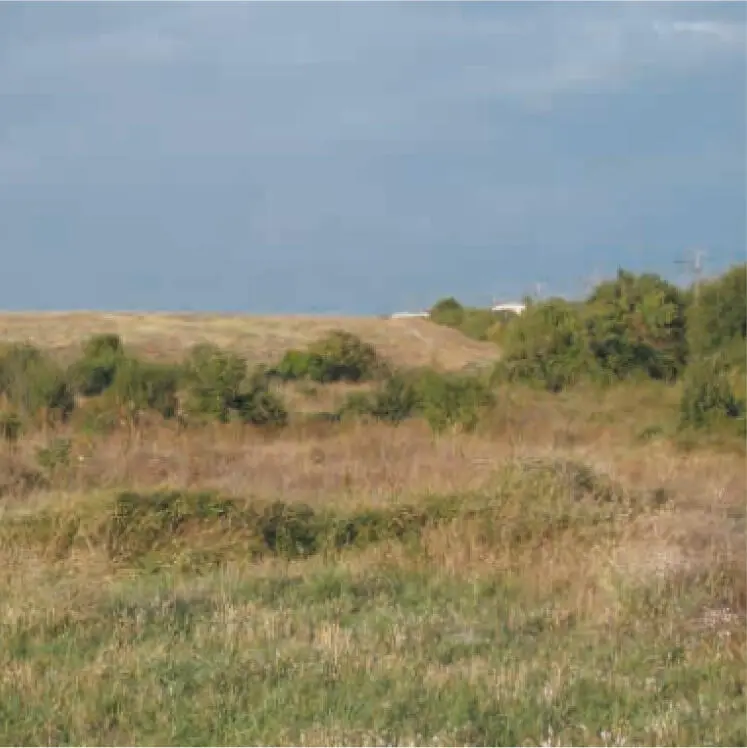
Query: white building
{"points": [[408, 315], [515, 308]]}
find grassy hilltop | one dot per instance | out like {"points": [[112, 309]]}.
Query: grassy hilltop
{"points": [[389, 534], [408, 342]]}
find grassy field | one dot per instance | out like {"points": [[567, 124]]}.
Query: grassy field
{"points": [[568, 574], [406, 342]]}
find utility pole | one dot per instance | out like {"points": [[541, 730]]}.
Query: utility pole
{"points": [[695, 265], [538, 287], [695, 333]]}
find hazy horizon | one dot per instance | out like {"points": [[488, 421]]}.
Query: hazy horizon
{"points": [[362, 158]]}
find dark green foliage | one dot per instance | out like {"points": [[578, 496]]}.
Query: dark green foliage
{"points": [[172, 527], [475, 323], [298, 365], [478, 324], [396, 400], [95, 371], [103, 344], [140, 386], [32, 383], [345, 358], [258, 405], [636, 324], [141, 524], [708, 396], [718, 319], [338, 357], [448, 312], [219, 387], [214, 379], [290, 529], [547, 345], [91, 378], [442, 399], [452, 400]]}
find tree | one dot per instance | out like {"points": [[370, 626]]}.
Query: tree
{"points": [[547, 345], [637, 324]]}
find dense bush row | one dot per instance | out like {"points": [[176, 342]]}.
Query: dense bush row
{"points": [[339, 357], [109, 387], [632, 326], [113, 386], [444, 400]]}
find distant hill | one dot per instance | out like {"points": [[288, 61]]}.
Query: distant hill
{"points": [[407, 342]]}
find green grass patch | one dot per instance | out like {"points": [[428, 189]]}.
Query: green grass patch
{"points": [[381, 656]]}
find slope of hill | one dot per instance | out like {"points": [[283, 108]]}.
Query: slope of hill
{"points": [[410, 342]]}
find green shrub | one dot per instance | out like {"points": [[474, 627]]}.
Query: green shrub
{"points": [[338, 357], [34, 384], [214, 378], [290, 529], [219, 387], [345, 358], [708, 396], [297, 365], [637, 324], [546, 345], [103, 344], [96, 370], [473, 322], [442, 399], [395, 400], [256, 404], [92, 377], [477, 323], [496, 333], [718, 319], [452, 400], [140, 386], [448, 312]]}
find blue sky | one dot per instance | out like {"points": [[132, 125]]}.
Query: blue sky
{"points": [[362, 157]]}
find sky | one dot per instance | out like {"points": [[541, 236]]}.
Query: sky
{"points": [[362, 157]]}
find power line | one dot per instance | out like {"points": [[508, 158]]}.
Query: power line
{"points": [[695, 264]]}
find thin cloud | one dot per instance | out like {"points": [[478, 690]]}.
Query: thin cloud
{"points": [[729, 33]]}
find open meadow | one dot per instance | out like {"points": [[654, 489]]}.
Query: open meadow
{"points": [[569, 569], [408, 342]]}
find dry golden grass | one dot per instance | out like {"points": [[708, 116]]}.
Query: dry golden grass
{"points": [[559, 616], [406, 342]]}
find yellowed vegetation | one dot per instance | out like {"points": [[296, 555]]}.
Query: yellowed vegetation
{"points": [[406, 342], [591, 591]]}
